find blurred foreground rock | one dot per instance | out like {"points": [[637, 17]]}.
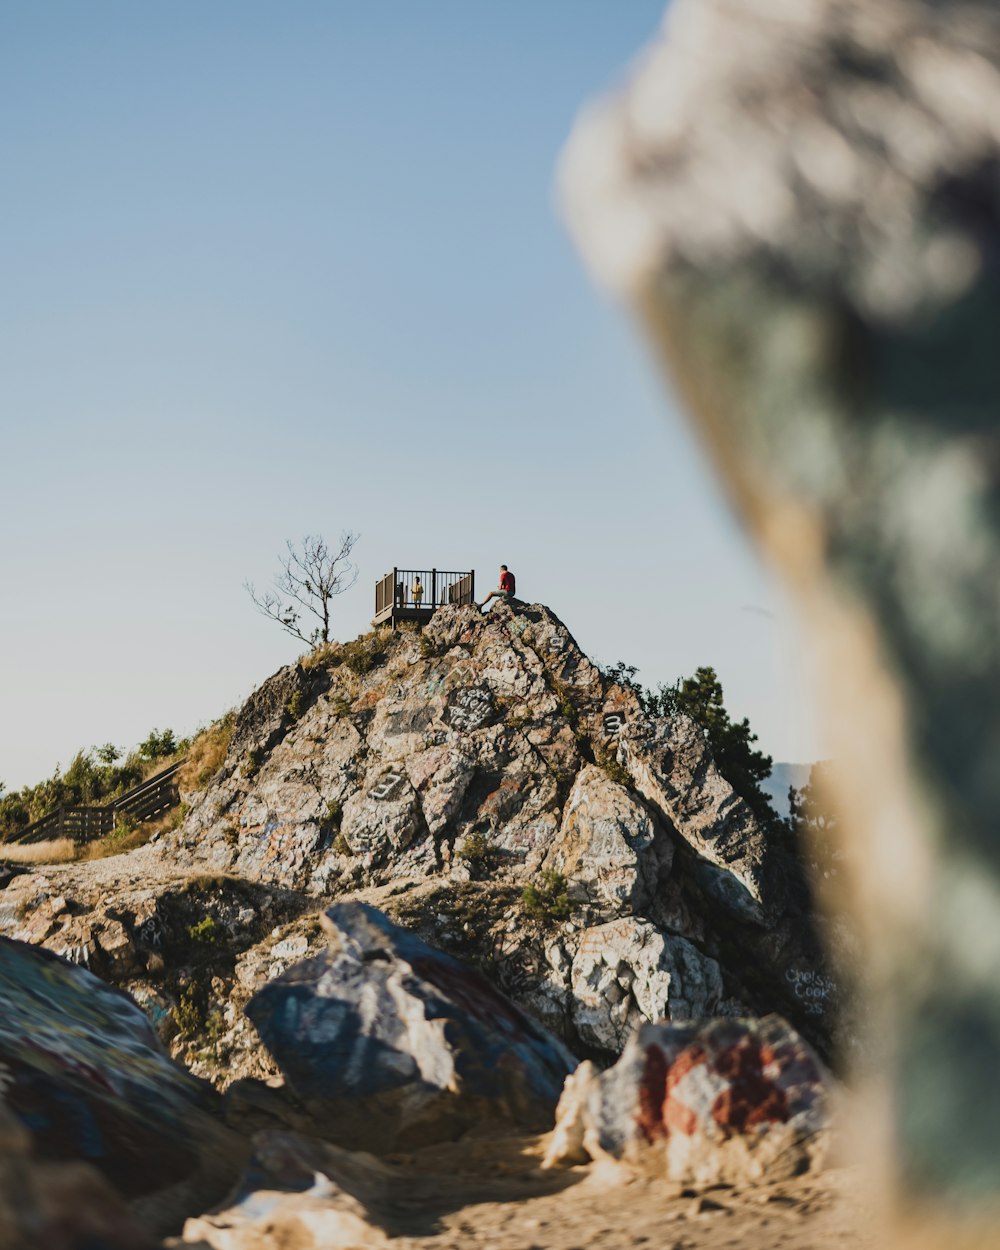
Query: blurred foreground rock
{"points": [[58, 1206], [83, 1074], [727, 1102], [390, 1043], [801, 201]]}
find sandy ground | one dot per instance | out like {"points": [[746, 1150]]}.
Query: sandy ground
{"points": [[492, 1195], [602, 1207]]}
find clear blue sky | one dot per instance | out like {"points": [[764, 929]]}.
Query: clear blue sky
{"points": [[270, 269]]}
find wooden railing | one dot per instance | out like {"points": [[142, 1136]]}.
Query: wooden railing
{"points": [[422, 590], [143, 802]]}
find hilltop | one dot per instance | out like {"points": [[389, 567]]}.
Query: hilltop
{"points": [[486, 785]]}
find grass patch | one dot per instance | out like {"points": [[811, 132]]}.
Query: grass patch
{"points": [[340, 705], [367, 652], [296, 705], [254, 759], [206, 931], [207, 753], [55, 851]]}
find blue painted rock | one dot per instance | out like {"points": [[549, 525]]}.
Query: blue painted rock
{"points": [[83, 1072], [710, 1102], [392, 1043]]}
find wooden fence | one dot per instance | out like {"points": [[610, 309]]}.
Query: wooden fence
{"points": [[146, 801]]}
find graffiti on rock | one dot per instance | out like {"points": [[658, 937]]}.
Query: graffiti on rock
{"points": [[387, 787], [469, 709], [812, 989]]}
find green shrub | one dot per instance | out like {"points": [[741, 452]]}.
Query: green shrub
{"points": [[125, 823], [333, 815], [253, 762], [188, 1014], [341, 845], [157, 745], [479, 854], [206, 931], [549, 901]]}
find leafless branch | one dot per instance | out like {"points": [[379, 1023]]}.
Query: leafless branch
{"points": [[309, 576]]}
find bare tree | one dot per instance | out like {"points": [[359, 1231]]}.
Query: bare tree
{"points": [[310, 575]]}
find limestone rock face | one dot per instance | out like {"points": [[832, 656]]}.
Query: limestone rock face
{"points": [[728, 1102], [84, 1073], [627, 971], [607, 847], [390, 1042], [673, 769]]}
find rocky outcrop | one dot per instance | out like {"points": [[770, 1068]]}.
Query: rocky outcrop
{"points": [[490, 750], [672, 768], [388, 1042], [730, 1102], [627, 971], [612, 851]]}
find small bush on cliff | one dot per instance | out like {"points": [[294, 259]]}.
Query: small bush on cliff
{"points": [[367, 652], [206, 931], [189, 1014], [615, 769], [548, 901], [296, 704], [478, 854]]}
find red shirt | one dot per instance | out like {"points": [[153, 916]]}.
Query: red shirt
{"points": [[507, 582]]}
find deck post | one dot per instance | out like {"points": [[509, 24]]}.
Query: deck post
{"points": [[434, 588], [472, 586]]}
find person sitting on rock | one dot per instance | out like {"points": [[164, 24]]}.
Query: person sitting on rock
{"points": [[505, 589]]}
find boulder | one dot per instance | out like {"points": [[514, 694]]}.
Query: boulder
{"points": [[82, 1070], [302, 1194], [390, 1042], [724, 1102], [59, 1206], [627, 971]]}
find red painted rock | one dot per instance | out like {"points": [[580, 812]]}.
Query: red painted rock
{"points": [[722, 1101]]}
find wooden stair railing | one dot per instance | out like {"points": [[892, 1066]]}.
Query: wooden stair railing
{"points": [[147, 800]]}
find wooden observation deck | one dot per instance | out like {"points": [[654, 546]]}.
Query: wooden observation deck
{"points": [[416, 594]]}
